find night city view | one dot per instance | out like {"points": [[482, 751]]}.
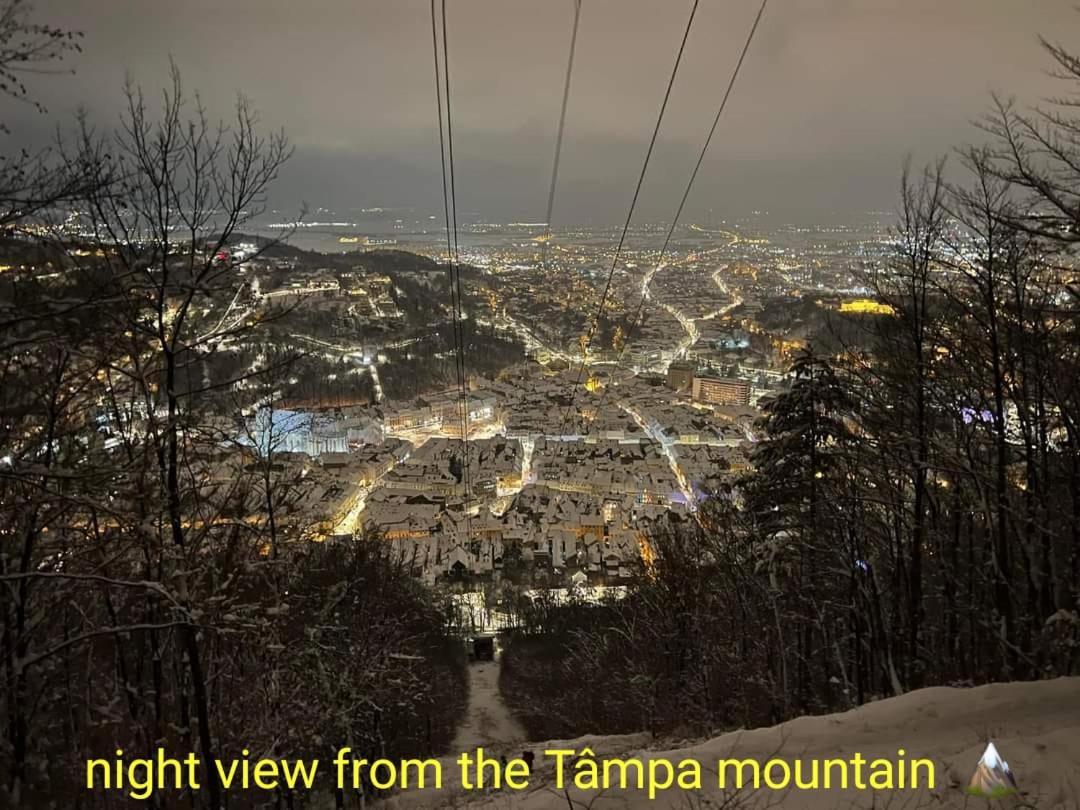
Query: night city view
{"points": [[570, 404]]}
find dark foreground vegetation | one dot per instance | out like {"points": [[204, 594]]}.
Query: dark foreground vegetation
{"points": [[913, 517], [158, 588]]}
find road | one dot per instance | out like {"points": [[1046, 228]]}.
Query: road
{"points": [[692, 335], [349, 520], [220, 328], [529, 338], [375, 380], [733, 238], [690, 324], [668, 451]]}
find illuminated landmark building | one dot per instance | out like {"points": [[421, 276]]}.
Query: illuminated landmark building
{"points": [[721, 391]]}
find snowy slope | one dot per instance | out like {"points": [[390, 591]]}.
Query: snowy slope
{"points": [[1035, 726], [488, 721]]}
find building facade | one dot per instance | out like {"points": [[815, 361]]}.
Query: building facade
{"points": [[721, 391], [680, 376]]}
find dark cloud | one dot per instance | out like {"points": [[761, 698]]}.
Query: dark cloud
{"points": [[833, 95]]}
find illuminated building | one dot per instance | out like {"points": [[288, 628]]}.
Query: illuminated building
{"points": [[443, 412], [866, 306], [721, 391]]}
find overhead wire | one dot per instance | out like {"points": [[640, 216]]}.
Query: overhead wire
{"points": [[446, 151], [629, 216], [467, 469], [446, 154], [689, 185], [559, 138]]}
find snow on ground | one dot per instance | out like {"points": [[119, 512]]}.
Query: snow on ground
{"points": [[488, 722], [1035, 726]]}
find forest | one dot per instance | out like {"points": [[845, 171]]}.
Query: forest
{"points": [[148, 595]]}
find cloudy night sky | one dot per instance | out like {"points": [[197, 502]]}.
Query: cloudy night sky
{"points": [[832, 96]]}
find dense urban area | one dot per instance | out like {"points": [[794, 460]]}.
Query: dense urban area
{"points": [[346, 389]]}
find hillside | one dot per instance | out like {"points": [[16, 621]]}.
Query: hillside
{"points": [[1036, 727]]}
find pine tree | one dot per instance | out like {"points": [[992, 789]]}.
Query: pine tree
{"points": [[795, 499]]}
